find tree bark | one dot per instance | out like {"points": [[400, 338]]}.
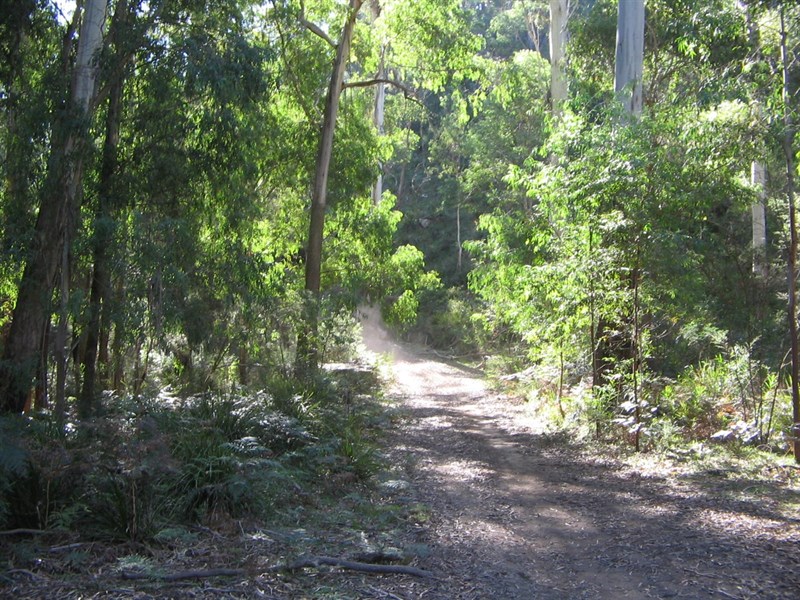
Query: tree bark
{"points": [[788, 150], [307, 351], [56, 219], [559, 10], [62, 337], [18, 23], [629, 60], [380, 105], [759, 218], [103, 230], [758, 174]]}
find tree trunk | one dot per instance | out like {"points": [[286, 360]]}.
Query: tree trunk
{"points": [[559, 10], [460, 250], [61, 351], [56, 219], [629, 60], [759, 216], [758, 175], [103, 230], [380, 105], [788, 150], [307, 351], [117, 365]]}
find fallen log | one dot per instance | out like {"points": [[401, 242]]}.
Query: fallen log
{"points": [[200, 574], [351, 565]]}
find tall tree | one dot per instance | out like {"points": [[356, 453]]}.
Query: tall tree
{"points": [[758, 171], [629, 60], [559, 12], [56, 219], [100, 286], [788, 151], [307, 344], [379, 113], [433, 47]]}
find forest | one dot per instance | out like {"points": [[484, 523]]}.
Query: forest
{"points": [[590, 202]]}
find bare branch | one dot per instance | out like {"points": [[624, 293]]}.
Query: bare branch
{"points": [[315, 29], [409, 92], [370, 82]]}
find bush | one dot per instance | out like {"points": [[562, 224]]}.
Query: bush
{"points": [[451, 320], [149, 466]]}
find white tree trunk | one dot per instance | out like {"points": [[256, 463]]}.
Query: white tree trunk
{"points": [[319, 191], [380, 103], [89, 44], [559, 10], [629, 61], [458, 237], [759, 210]]}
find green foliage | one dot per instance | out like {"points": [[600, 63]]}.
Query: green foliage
{"points": [[13, 464], [453, 321], [358, 450], [153, 466], [36, 471], [431, 41], [403, 311], [733, 397], [624, 201], [407, 275], [129, 506]]}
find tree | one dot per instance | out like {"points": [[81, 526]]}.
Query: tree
{"points": [[379, 115], [438, 25], [57, 216], [758, 174], [629, 63], [559, 12], [307, 345], [100, 287], [788, 150]]}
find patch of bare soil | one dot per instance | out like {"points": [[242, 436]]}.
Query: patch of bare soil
{"points": [[515, 515]]}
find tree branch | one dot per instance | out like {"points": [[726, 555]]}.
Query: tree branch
{"points": [[409, 92], [315, 29]]}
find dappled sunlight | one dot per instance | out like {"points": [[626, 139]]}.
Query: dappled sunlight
{"points": [[533, 517], [461, 471]]}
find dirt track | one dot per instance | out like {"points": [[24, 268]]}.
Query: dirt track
{"points": [[513, 515]]}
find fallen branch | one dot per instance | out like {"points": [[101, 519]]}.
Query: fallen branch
{"points": [[318, 561], [184, 574], [28, 532], [30, 574]]}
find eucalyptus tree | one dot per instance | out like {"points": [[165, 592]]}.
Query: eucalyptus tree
{"points": [[425, 42], [591, 246], [195, 182], [559, 13], [629, 62], [57, 215], [34, 69], [180, 102], [788, 90]]}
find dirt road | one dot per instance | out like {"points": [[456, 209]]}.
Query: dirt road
{"points": [[513, 515]]}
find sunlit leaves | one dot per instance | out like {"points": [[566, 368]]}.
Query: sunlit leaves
{"points": [[429, 41], [620, 200]]}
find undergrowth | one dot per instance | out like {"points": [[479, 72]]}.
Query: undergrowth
{"points": [[732, 401], [152, 467]]}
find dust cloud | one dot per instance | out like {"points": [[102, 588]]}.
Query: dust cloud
{"points": [[377, 340]]}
